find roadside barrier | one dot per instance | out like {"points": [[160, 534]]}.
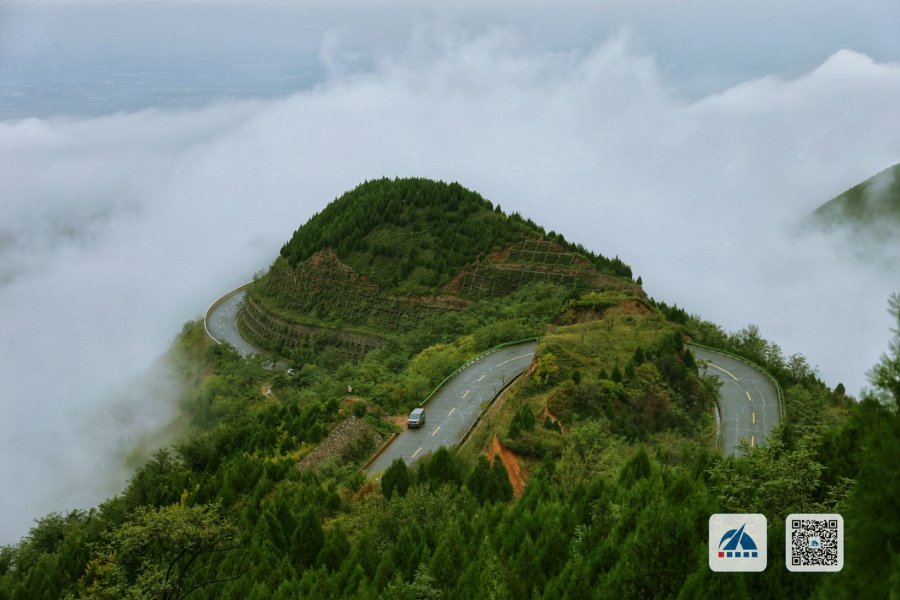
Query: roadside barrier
{"points": [[380, 450], [465, 438], [470, 362], [215, 304], [752, 364]]}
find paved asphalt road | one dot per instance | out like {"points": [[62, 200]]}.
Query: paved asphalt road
{"points": [[222, 325], [749, 399], [456, 407]]}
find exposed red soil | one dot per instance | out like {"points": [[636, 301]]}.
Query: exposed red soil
{"points": [[633, 307], [516, 475], [455, 284], [498, 255]]}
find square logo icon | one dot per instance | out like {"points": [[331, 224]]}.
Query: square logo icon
{"points": [[814, 543], [737, 542]]}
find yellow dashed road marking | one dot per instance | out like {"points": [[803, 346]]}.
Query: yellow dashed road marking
{"points": [[482, 377], [523, 356], [417, 451], [752, 440], [754, 417], [466, 394], [436, 430], [451, 412], [749, 399]]}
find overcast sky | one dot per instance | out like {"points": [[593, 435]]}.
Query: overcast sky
{"points": [[173, 147]]}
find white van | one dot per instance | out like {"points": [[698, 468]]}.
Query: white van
{"points": [[416, 418]]}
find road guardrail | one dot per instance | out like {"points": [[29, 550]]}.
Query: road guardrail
{"points": [[472, 361], [752, 364], [215, 304]]}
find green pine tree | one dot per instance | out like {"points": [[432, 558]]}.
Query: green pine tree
{"points": [[479, 479], [638, 356], [688, 359], [502, 486], [450, 556], [395, 479], [443, 468], [308, 540], [616, 374], [334, 551], [629, 369]]}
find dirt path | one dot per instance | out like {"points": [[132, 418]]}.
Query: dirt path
{"points": [[399, 420], [512, 466]]}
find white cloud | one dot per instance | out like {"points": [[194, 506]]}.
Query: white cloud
{"points": [[116, 230]]}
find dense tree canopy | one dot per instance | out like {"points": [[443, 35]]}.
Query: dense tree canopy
{"points": [[450, 225], [612, 495]]}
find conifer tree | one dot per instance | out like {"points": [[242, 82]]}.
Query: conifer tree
{"points": [[479, 480], [335, 549], [384, 573], [449, 558], [274, 528], [629, 369], [638, 356], [688, 359], [679, 341], [637, 467], [616, 374], [395, 479], [502, 486], [308, 540], [443, 468]]}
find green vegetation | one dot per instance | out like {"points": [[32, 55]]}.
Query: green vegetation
{"points": [[391, 253], [873, 202], [419, 232], [611, 427]]}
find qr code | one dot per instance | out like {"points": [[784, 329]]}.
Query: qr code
{"points": [[814, 542]]}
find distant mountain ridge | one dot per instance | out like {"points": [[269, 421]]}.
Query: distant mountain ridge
{"points": [[874, 203]]}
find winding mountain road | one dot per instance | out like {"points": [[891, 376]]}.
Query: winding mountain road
{"points": [[749, 399], [450, 414], [221, 322], [456, 407]]}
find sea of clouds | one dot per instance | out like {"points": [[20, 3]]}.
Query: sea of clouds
{"points": [[115, 230]]}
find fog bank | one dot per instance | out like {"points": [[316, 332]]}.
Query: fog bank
{"points": [[116, 230]]}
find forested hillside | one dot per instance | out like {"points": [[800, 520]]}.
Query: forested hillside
{"points": [[871, 204], [390, 228], [391, 253], [610, 430]]}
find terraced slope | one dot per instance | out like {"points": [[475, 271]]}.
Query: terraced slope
{"points": [[391, 253]]}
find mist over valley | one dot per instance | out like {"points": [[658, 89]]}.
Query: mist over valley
{"points": [[116, 228]]}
